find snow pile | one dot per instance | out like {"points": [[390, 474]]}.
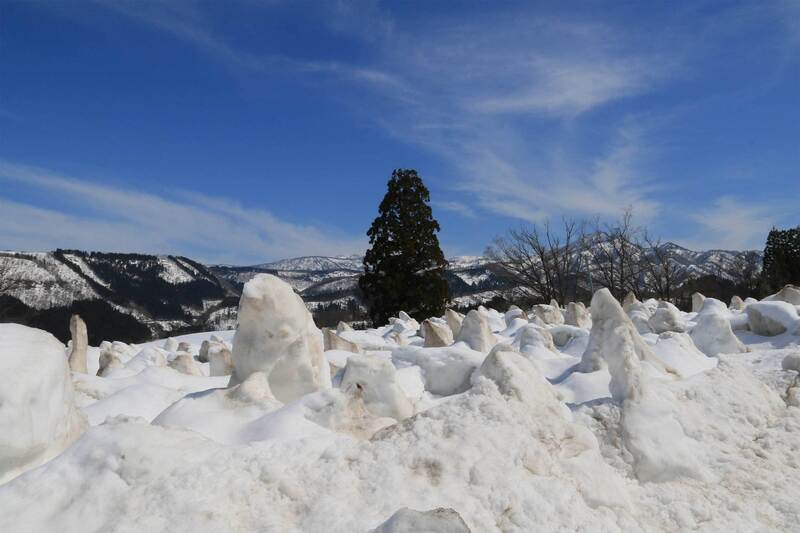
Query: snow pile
{"points": [[770, 318], [789, 294], [38, 417], [615, 343], [475, 332], [697, 302], [277, 336], [436, 333], [666, 318], [517, 426], [549, 314], [713, 335], [375, 380], [577, 315]]}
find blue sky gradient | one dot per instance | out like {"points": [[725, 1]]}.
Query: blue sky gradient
{"points": [[251, 131]]}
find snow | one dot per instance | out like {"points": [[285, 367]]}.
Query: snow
{"points": [[38, 416], [606, 429], [277, 336], [772, 317], [475, 332]]}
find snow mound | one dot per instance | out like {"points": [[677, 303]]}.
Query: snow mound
{"points": [[445, 371], [549, 314], [375, 380], [577, 315], [667, 317], [615, 344], [713, 335], [38, 416], [772, 318], [475, 331], [789, 294], [277, 336], [436, 333]]}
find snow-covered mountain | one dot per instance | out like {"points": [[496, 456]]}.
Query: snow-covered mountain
{"points": [[147, 294], [158, 295]]}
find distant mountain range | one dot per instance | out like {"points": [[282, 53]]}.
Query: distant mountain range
{"points": [[136, 296]]}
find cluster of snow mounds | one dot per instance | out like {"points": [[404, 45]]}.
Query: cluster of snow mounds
{"points": [[38, 416], [632, 417]]}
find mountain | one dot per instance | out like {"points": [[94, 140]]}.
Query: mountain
{"points": [[144, 295], [136, 296]]}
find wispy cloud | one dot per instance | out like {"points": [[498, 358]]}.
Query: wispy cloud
{"points": [[733, 224], [456, 207], [183, 20], [110, 218]]}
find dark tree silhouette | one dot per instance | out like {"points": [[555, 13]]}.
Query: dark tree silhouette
{"points": [[404, 267], [782, 258]]}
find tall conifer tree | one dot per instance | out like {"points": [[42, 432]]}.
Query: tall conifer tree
{"points": [[404, 267], [782, 258]]}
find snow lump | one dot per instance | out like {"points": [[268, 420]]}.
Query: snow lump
{"points": [[277, 336]]}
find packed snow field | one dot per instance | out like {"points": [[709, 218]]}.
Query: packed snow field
{"points": [[618, 417]]}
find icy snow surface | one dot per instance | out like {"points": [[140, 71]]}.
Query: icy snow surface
{"points": [[503, 430]]}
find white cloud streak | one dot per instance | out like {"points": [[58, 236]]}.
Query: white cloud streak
{"points": [[108, 218], [733, 224]]}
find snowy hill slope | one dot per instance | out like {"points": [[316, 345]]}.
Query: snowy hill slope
{"points": [[170, 293], [162, 293]]}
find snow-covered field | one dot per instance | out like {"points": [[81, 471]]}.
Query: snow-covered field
{"points": [[634, 417]]}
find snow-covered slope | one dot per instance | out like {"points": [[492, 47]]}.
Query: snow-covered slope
{"points": [[515, 436]]}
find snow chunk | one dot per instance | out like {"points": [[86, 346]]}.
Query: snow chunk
{"points": [[548, 314], [277, 336], [791, 362], [677, 351], [441, 520], [666, 318], [454, 320], [789, 294], [38, 417], [697, 302], [713, 335], [772, 318], [577, 315], [79, 346], [614, 343], [436, 333], [476, 333], [446, 371], [375, 379]]}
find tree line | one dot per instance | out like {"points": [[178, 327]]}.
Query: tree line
{"points": [[404, 268]]}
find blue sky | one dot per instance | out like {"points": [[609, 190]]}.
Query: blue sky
{"points": [[251, 131]]}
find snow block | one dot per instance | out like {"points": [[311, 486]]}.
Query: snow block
{"points": [[577, 315], [80, 344], [277, 336], [614, 343], [38, 416], [770, 318], [441, 520], [476, 333], [374, 378], [437, 334]]}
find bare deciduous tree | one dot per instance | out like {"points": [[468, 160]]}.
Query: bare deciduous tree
{"points": [[614, 251], [660, 268], [543, 262]]}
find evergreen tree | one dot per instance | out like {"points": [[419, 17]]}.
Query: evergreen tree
{"points": [[782, 258], [404, 267]]}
